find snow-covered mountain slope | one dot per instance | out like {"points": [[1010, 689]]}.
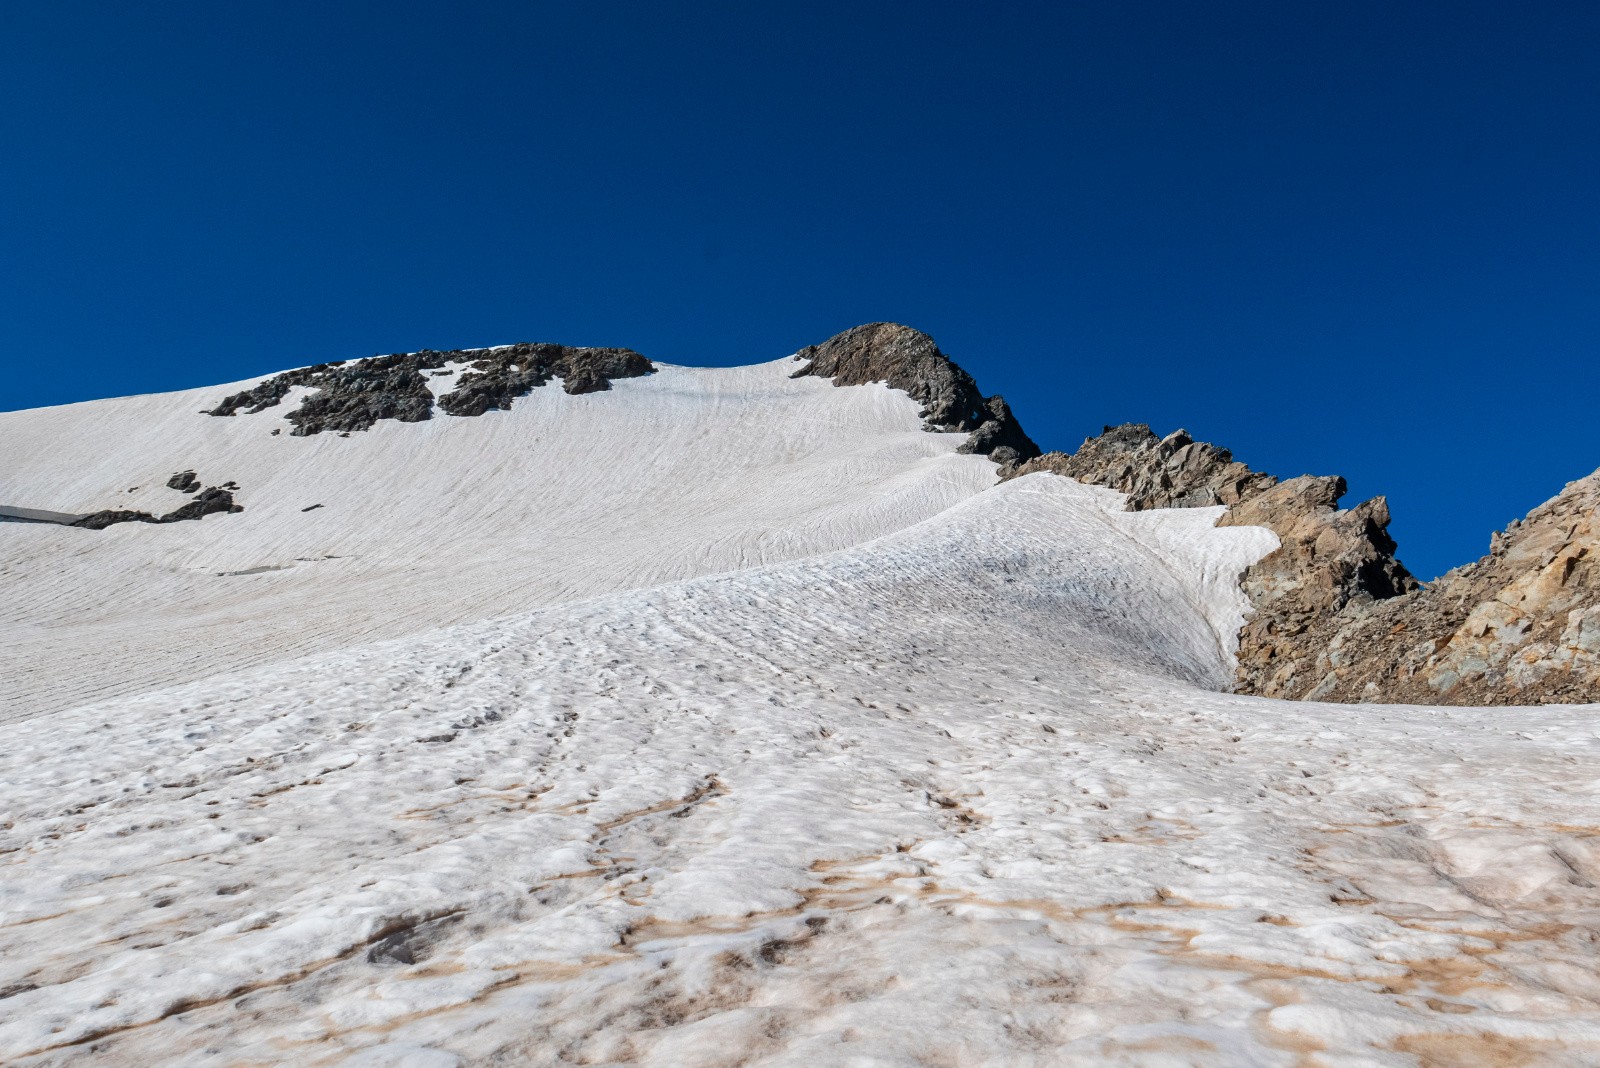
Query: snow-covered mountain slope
{"points": [[956, 796], [769, 732], [689, 471]]}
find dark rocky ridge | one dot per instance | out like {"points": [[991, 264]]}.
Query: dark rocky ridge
{"points": [[1338, 617], [1171, 472], [908, 360], [353, 395]]}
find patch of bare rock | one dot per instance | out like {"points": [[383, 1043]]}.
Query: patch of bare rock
{"points": [[1338, 618], [211, 500], [355, 394]]}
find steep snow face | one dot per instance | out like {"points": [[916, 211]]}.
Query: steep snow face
{"points": [[954, 796], [689, 471]]}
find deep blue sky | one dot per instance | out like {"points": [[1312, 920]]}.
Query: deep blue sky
{"points": [[1337, 237]]}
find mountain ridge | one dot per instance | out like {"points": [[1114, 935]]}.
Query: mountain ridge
{"points": [[1337, 615], [1332, 600], [1320, 600], [729, 717]]}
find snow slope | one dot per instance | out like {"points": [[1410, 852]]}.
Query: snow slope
{"points": [[963, 793], [686, 472]]}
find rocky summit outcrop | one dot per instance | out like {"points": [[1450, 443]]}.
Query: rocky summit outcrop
{"points": [[353, 395], [1338, 618], [908, 360]]}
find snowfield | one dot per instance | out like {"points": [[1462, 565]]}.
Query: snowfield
{"points": [[689, 471], [796, 743]]}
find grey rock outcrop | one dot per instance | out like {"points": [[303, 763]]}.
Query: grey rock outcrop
{"points": [[356, 394], [909, 360], [211, 501], [499, 375], [184, 482], [112, 516], [1171, 472]]}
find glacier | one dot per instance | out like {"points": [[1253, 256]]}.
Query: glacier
{"points": [[725, 718]]}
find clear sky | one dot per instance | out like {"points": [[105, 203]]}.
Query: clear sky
{"points": [[1354, 238]]}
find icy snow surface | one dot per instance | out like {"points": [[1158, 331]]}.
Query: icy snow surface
{"points": [[957, 794]]}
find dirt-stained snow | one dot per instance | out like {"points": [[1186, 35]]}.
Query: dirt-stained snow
{"points": [[943, 781]]}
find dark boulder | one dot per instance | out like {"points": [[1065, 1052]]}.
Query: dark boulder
{"points": [[184, 482]]}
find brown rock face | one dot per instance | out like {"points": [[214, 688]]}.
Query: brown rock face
{"points": [[909, 360], [1331, 566], [1338, 618], [1521, 625]]}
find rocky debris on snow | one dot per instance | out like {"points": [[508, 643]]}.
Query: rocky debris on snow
{"points": [[210, 501], [909, 360], [111, 516], [349, 396], [184, 482], [1339, 618], [356, 394]]}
